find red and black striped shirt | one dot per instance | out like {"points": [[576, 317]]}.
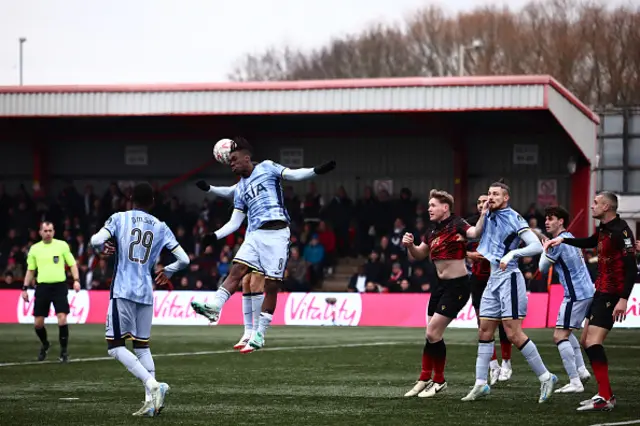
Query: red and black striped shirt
{"points": [[481, 269], [616, 256], [446, 240]]}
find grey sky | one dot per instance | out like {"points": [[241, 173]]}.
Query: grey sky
{"points": [[156, 41]]}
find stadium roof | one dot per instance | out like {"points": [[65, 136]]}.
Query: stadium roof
{"points": [[443, 94]]}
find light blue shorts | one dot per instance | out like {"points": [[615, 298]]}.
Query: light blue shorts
{"points": [[505, 296], [128, 320], [572, 313]]}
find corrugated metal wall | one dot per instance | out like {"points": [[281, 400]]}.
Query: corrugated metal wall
{"points": [[491, 157], [417, 163]]}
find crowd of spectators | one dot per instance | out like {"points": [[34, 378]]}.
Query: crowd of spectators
{"points": [[323, 230]]}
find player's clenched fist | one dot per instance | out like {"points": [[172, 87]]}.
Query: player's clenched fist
{"points": [[407, 239]]}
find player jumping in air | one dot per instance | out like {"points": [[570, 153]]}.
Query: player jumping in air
{"points": [[446, 245], [480, 271], [259, 197], [505, 298], [252, 284], [616, 277], [140, 237], [578, 294]]}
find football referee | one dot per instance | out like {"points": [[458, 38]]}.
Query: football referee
{"points": [[48, 258]]}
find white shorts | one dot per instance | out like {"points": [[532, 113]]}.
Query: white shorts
{"points": [[266, 251], [572, 313], [128, 320], [505, 296]]}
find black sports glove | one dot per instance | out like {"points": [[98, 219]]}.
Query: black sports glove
{"points": [[325, 168], [209, 239], [203, 185]]}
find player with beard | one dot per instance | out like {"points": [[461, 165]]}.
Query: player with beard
{"points": [[447, 247], [616, 277], [480, 270], [505, 297]]}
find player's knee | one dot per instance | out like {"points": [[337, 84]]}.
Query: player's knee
{"points": [[39, 322], [62, 319], [514, 333], [559, 336], [257, 283]]}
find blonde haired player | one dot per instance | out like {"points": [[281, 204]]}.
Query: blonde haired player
{"points": [[252, 284]]}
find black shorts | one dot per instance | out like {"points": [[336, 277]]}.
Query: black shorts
{"points": [[600, 313], [46, 294], [477, 288], [449, 297]]}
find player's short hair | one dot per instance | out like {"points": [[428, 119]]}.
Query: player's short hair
{"points": [[500, 184], [611, 198], [559, 212], [46, 223], [443, 197], [241, 144], [142, 195]]}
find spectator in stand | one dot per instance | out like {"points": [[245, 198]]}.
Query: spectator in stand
{"points": [[314, 256], [405, 206], [423, 214], [358, 281], [405, 286], [375, 269], [339, 212], [533, 212], [327, 240], [305, 235], [366, 210], [312, 205], [294, 242], [296, 274], [9, 283], [384, 213], [396, 276], [292, 204], [533, 224], [214, 279], [224, 265], [372, 288], [419, 280], [399, 230], [385, 249], [102, 275]]}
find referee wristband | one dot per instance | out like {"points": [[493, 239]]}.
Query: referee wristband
{"points": [[25, 288]]}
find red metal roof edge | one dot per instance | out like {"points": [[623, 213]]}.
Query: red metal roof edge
{"points": [[314, 85], [290, 85]]}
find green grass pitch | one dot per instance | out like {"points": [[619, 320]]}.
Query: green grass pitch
{"points": [[305, 376]]}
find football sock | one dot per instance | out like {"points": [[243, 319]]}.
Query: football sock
{"points": [[265, 321], [531, 354], [256, 302], [427, 365], [600, 366], [575, 344], [439, 355], [219, 299], [145, 358], [247, 312], [485, 350], [568, 359], [63, 336], [130, 361], [42, 335]]}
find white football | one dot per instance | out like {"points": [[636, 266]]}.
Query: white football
{"points": [[221, 150]]}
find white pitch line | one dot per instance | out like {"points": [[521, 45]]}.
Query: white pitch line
{"points": [[630, 422], [225, 351], [285, 348]]}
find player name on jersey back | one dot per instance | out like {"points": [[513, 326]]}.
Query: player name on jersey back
{"points": [[140, 238]]}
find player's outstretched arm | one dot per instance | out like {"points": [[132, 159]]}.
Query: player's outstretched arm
{"points": [[533, 247], [589, 242], [308, 173], [237, 217], [220, 191]]}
